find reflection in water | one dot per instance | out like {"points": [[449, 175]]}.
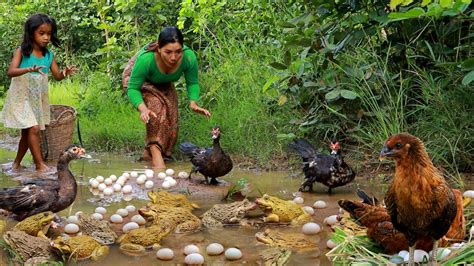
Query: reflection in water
{"points": [[274, 183]]}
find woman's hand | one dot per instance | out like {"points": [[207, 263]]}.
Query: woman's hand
{"points": [[198, 109], [145, 113], [36, 68]]}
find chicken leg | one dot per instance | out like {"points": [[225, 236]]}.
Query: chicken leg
{"points": [[411, 255], [434, 252]]}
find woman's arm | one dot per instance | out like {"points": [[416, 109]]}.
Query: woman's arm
{"points": [[14, 71], [192, 84]]}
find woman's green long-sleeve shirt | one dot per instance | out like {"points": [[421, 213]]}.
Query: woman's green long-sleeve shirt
{"points": [[145, 68]]}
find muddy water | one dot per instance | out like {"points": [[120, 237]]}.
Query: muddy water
{"points": [[281, 184]]}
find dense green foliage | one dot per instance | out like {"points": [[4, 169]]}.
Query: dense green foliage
{"points": [[272, 70]]}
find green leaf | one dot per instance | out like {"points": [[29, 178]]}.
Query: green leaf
{"points": [[446, 3], [286, 24], [468, 78], [425, 2], [310, 84], [412, 13], [332, 95], [278, 65], [287, 58], [468, 64], [347, 94], [269, 83]]}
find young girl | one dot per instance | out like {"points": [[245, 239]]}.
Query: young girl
{"points": [[26, 105]]}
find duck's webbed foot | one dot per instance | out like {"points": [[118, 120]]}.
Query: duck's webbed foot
{"points": [[214, 181]]}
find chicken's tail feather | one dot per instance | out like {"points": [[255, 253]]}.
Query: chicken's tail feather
{"points": [[304, 149], [188, 148], [366, 198]]}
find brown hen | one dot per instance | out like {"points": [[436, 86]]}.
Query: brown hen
{"points": [[380, 229], [419, 201]]}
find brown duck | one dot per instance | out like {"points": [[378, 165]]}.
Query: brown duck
{"points": [[211, 162], [41, 195]]}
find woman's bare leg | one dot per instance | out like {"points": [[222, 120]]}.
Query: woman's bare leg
{"points": [[22, 149], [35, 149], [156, 158]]}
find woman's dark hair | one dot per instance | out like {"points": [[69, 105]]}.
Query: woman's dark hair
{"points": [[31, 24], [170, 35]]}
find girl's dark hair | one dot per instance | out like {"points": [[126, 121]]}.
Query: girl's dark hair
{"points": [[31, 24], [170, 35]]}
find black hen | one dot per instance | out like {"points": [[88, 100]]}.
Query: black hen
{"points": [[211, 162], [41, 195], [330, 170]]}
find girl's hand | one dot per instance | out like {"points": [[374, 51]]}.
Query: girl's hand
{"points": [[199, 110], [36, 68], [145, 113], [69, 70]]}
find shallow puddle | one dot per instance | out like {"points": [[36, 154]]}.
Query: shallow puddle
{"points": [[281, 184]]}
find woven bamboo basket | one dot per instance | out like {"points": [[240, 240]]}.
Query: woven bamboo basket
{"points": [[58, 134]]}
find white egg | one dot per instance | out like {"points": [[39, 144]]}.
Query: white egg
{"points": [[113, 178], [120, 182], [91, 180], [165, 254], [331, 220], [161, 175], [168, 178], [169, 171], [183, 174], [191, 249], [102, 186], [320, 204], [468, 194], [95, 192], [117, 219], [172, 183], [149, 173], [419, 256], [97, 216], [122, 212], [130, 226], [402, 253], [142, 176], [127, 197], [471, 232], [166, 185], [298, 200], [101, 210], [149, 184], [134, 174], [214, 249], [233, 254], [95, 183], [99, 178], [308, 210], [194, 258], [330, 244], [108, 191], [141, 180], [79, 213], [126, 175], [441, 254], [138, 219], [127, 189], [108, 181], [311, 228], [73, 219], [117, 187], [71, 228], [130, 208]]}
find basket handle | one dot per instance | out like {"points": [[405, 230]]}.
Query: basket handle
{"points": [[64, 112]]}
